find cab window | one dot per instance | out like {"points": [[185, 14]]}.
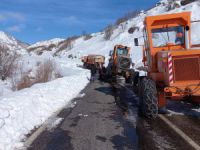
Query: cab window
{"points": [[122, 51], [164, 36]]}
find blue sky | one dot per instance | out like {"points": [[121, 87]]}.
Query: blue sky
{"points": [[34, 20]]}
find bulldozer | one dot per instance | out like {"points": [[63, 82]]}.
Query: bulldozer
{"points": [[97, 60], [119, 62], [171, 63]]}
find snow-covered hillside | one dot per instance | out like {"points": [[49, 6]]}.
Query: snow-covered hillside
{"points": [[98, 45], [22, 111], [50, 45], [121, 35], [12, 43]]}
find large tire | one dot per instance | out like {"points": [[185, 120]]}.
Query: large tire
{"points": [[140, 93], [128, 80], [136, 76], [135, 82], [148, 98]]}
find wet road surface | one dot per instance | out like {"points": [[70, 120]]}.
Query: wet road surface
{"points": [[106, 118]]}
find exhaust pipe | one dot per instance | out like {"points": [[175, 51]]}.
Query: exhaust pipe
{"points": [[187, 40]]}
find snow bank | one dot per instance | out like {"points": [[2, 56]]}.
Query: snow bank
{"points": [[24, 110]]}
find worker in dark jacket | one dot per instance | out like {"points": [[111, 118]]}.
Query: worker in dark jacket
{"points": [[93, 72], [102, 73]]}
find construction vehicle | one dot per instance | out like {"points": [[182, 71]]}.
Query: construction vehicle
{"points": [[97, 60], [84, 60], [171, 64], [119, 62]]}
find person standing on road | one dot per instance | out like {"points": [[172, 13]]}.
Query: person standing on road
{"points": [[102, 73], [93, 72]]}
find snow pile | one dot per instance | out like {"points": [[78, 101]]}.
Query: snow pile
{"points": [[22, 111]]}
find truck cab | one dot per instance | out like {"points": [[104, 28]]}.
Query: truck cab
{"points": [[120, 61], [169, 57], [171, 63]]}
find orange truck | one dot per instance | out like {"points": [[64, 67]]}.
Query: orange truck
{"points": [[171, 64], [119, 62], [97, 60]]}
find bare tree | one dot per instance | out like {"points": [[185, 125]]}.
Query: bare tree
{"points": [[126, 17], [108, 32], [86, 36], [45, 72], [8, 62]]}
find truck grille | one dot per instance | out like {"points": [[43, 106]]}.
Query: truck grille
{"points": [[186, 69], [124, 63]]}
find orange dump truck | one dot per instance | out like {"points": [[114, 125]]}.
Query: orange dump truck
{"points": [[172, 65], [97, 60]]}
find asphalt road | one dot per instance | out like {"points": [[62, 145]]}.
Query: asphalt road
{"points": [[106, 118]]}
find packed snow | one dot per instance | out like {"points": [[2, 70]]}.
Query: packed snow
{"points": [[22, 111]]}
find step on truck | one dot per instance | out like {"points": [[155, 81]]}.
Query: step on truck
{"points": [[171, 63]]}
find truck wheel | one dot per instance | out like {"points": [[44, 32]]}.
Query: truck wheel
{"points": [[140, 94], [136, 82], [135, 78], [149, 99], [128, 80]]}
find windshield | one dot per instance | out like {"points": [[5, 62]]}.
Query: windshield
{"points": [[122, 51], [164, 36]]}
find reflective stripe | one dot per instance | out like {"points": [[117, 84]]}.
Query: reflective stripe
{"points": [[171, 77]]}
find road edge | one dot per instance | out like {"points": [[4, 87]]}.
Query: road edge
{"points": [[191, 142]]}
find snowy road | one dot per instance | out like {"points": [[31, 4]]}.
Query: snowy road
{"points": [[97, 123]]}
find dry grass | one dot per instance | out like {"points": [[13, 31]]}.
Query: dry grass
{"points": [[87, 37], [45, 72], [126, 17], [172, 5], [66, 44], [108, 32], [25, 82], [8, 62]]}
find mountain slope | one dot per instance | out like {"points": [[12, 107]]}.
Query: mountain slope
{"points": [[12, 43], [98, 45]]}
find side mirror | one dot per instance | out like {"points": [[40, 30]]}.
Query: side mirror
{"points": [[111, 52], [136, 42]]}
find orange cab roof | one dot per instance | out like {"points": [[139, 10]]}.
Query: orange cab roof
{"points": [[168, 19]]}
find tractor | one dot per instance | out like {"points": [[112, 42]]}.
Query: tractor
{"points": [[171, 64], [120, 62]]}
